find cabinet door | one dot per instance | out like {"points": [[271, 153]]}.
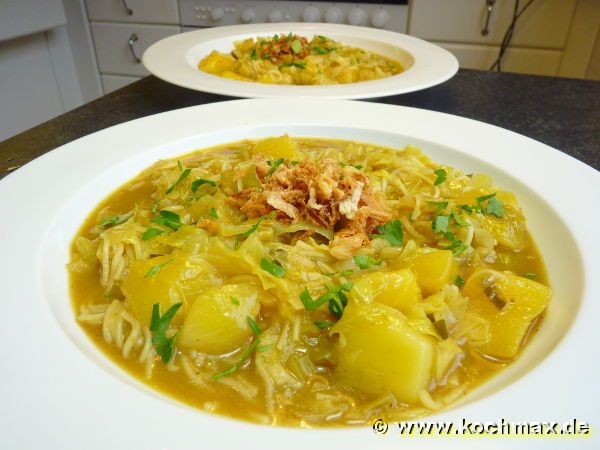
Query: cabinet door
{"points": [[111, 83], [545, 24], [520, 60], [116, 55], [141, 11]]}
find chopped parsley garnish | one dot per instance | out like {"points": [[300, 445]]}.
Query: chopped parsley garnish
{"points": [[441, 176], [288, 38], [296, 46], [458, 219], [440, 224], [365, 261], [253, 326], [299, 65], [155, 269], [274, 165], [495, 207], [391, 232], [439, 206], [321, 325], [321, 50], [456, 245], [253, 54], [152, 233], [168, 219], [199, 182], [245, 356], [235, 301], [159, 326], [115, 220], [184, 174], [273, 268], [458, 281], [467, 208], [334, 296], [213, 213]]}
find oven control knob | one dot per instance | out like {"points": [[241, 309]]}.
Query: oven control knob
{"points": [[275, 16], [356, 17], [311, 14], [379, 18], [248, 15], [333, 15], [217, 14]]}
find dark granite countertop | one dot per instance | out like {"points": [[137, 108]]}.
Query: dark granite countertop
{"points": [[563, 113]]}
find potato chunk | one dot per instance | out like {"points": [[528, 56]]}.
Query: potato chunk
{"points": [[176, 280], [216, 62], [510, 304], [217, 321], [378, 351], [278, 147], [434, 270], [398, 289]]}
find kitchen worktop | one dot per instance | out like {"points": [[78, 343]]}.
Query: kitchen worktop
{"points": [[563, 113]]}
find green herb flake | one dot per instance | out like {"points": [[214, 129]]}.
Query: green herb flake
{"points": [[321, 50], [253, 54], [456, 245], [253, 326], [530, 275], [159, 326], [440, 224], [441, 176], [495, 207], [199, 182], [347, 272], [168, 219], [296, 46], [439, 206], [299, 65], [152, 233], [213, 213], [458, 281], [155, 269], [365, 261], [458, 219], [182, 177], [115, 220], [288, 38], [274, 165], [391, 232], [321, 325], [467, 208], [273, 268], [253, 228], [235, 301], [245, 356], [335, 296]]}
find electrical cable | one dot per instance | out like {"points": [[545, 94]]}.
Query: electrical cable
{"points": [[509, 33]]}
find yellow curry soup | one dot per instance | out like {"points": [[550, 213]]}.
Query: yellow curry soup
{"points": [[294, 60], [309, 282]]}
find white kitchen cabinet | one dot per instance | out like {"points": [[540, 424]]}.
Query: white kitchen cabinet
{"points": [[552, 37], [521, 60], [119, 46], [140, 11]]}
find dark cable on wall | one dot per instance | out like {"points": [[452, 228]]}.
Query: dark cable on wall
{"points": [[509, 33]]}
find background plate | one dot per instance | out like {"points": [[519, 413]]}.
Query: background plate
{"points": [[175, 60]]}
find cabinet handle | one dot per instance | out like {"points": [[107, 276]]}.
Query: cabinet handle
{"points": [[128, 10], [490, 7], [132, 39]]}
